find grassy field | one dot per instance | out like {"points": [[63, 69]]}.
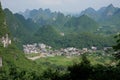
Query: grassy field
{"points": [[101, 59], [67, 61], [58, 60]]}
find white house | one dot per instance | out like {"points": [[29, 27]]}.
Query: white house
{"points": [[94, 48]]}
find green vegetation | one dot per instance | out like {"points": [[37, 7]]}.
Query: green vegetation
{"points": [[20, 28], [45, 27], [107, 17], [50, 36], [47, 35], [3, 26], [85, 71], [94, 66], [117, 46], [58, 60], [82, 24], [94, 58], [15, 65]]}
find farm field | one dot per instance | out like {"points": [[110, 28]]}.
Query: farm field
{"points": [[64, 61]]}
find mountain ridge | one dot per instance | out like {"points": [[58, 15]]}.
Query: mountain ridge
{"points": [[71, 26]]}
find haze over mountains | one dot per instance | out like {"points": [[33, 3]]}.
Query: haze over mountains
{"points": [[105, 16], [79, 31], [83, 44]]}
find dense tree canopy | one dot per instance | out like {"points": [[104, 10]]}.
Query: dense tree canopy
{"points": [[3, 26], [117, 46]]}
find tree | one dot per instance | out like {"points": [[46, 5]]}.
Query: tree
{"points": [[117, 46], [3, 26], [80, 71]]}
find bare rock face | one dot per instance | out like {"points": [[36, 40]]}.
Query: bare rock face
{"points": [[0, 61], [6, 41]]}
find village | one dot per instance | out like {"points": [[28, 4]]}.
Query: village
{"points": [[47, 51]]}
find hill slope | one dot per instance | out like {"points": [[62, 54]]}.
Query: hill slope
{"points": [[20, 28], [14, 64], [3, 26], [106, 17], [82, 24]]}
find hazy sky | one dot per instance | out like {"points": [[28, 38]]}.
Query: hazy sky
{"points": [[66, 6]]}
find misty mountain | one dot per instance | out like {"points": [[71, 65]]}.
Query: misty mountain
{"points": [[90, 12], [63, 23], [82, 24], [44, 17], [20, 27], [107, 17], [102, 13], [44, 26]]}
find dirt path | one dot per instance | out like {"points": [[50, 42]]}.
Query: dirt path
{"points": [[36, 57]]}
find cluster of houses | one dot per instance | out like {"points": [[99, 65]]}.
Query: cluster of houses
{"points": [[48, 51], [36, 48], [71, 51]]}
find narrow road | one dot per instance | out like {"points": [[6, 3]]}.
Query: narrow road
{"points": [[36, 57]]}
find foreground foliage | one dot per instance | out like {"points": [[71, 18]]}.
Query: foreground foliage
{"points": [[17, 67], [117, 46]]}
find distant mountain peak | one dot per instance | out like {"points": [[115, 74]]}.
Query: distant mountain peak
{"points": [[88, 11], [111, 5], [84, 15], [90, 8], [27, 10]]}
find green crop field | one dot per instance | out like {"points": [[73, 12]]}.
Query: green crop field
{"points": [[58, 60], [64, 61]]}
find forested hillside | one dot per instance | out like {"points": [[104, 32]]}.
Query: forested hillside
{"points": [[21, 29], [3, 25], [44, 26], [107, 17], [82, 24], [15, 66]]}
